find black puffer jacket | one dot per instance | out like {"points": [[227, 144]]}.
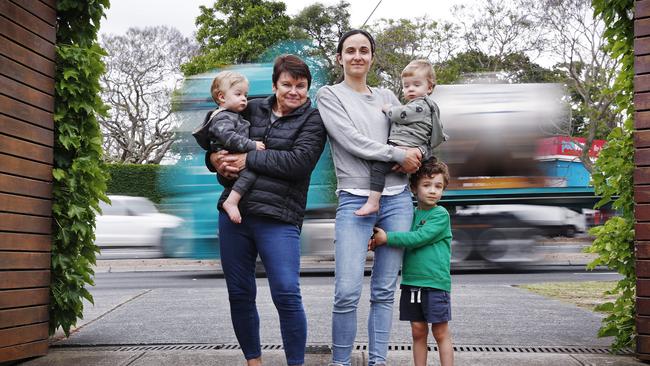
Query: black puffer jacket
{"points": [[293, 146]]}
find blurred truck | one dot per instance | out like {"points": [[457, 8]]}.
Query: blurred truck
{"points": [[503, 155]]}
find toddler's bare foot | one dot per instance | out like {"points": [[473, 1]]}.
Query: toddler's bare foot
{"points": [[233, 211], [367, 209]]}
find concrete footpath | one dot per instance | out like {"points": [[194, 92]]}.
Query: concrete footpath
{"points": [[109, 357], [492, 325]]}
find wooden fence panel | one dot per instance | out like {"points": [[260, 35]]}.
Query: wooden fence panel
{"points": [[642, 174], [27, 70]]}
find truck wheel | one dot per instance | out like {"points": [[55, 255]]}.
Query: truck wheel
{"points": [[570, 231], [493, 244], [462, 246], [168, 243]]}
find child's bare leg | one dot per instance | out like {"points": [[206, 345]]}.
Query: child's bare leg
{"points": [[420, 332], [442, 335], [230, 206], [371, 205]]}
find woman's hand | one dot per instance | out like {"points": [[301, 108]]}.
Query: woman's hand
{"points": [[227, 164], [412, 162]]}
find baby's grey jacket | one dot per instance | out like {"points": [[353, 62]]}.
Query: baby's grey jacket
{"points": [[416, 124], [229, 131]]}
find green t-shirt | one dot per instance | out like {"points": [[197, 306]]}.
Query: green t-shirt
{"points": [[427, 255]]}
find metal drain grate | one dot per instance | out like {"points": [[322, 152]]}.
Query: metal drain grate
{"points": [[324, 349], [517, 349], [174, 347]]}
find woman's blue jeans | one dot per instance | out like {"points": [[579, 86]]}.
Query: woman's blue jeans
{"points": [[352, 235], [278, 245]]}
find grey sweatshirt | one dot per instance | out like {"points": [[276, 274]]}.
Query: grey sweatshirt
{"points": [[358, 131]]}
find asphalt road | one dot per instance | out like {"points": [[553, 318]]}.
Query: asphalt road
{"points": [[207, 279]]}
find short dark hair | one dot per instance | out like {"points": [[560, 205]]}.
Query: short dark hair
{"points": [[352, 32], [293, 65], [429, 168]]}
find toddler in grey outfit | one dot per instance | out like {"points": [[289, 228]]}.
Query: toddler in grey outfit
{"points": [[228, 130], [416, 124]]}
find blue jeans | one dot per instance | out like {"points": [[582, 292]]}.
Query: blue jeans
{"points": [[278, 244], [352, 235]]}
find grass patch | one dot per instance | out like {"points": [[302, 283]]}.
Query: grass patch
{"points": [[586, 294]]}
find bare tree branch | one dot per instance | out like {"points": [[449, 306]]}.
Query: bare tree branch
{"points": [[142, 70]]}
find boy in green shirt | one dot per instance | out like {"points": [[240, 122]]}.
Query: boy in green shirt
{"points": [[426, 278]]}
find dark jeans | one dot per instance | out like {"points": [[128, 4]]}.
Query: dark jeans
{"points": [[278, 244]]}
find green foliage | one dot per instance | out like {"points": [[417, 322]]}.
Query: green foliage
{"points": [[399, 41], [135, 180], [79, 178], [323, 26], [612, 178], [236, 31], [517, 68]]}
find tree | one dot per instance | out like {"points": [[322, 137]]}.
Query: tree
{"points": [[576, 39], [236, 31], [511, 68], [499, 28], [323, 26], [400, 41], [142, 70]]}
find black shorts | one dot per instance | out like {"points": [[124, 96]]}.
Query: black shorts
{"points": [[434, 305]]}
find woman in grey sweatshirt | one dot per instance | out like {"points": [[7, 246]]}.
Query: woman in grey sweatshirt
{"points": [[358, 131]]}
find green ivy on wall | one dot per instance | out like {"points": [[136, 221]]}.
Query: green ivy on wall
{"points": [[79, 178], [612, 178]]}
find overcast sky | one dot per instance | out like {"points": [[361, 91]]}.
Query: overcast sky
{"points": [[181, 14]]}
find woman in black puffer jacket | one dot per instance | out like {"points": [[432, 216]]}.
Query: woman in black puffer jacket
{"points": [[273, 208]]}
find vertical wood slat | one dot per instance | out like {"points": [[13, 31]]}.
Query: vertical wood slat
{"points": [[27, 71]]}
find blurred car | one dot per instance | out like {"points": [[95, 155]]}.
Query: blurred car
{"points": [[551, 220], [131, 222]]}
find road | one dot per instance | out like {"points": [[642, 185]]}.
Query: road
{"points": [[207, 279]]}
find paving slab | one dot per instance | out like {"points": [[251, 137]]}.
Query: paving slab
{"points": [[105, 357], [482, 314]]}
